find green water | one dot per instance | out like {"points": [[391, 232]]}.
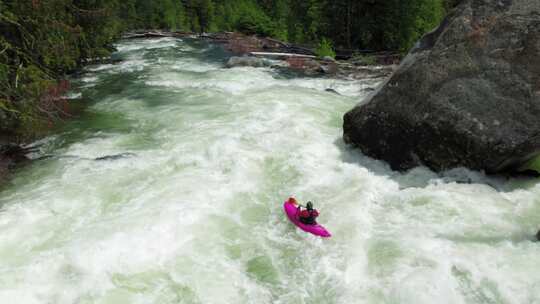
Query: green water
{"points": [[190, 209]]}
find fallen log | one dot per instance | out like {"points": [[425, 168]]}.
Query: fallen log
{"points": [[147, 35], [280, 55]]}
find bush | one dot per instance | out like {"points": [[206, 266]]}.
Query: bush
{"points": [[532, 165], [325, 49]]}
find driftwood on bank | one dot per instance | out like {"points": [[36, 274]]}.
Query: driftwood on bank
{"points": [[146, 35], [280, 55]]}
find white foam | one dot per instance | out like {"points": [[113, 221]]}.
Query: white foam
{"points": [[147, 44], [101, 67], [89, 79]]}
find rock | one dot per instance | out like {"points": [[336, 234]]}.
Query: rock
{"points": [[330, 90], [312, 66], [538, 235], [467, 95], [328, 59], [13, 154], [10, 156], [11, 150], [115, 156], [328, 68], [248, 62]]}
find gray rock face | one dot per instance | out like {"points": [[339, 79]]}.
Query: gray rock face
{"points": [[467, 95], [538, 235]]}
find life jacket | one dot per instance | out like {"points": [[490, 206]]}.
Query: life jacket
{"points": [[308, 217]]}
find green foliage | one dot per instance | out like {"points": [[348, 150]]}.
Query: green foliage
{"points": [[255, 22], [280, 13], [42, 40], [381, 25], [533, 165], [247, 16], [325, 49], [420, 17], [314, 19]]}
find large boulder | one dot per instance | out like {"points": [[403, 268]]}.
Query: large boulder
{"points": [[468, 94]]}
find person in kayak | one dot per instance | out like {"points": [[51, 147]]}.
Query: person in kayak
{"points": [[309, 215]]}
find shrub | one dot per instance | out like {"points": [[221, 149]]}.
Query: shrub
{"points": [[325, 49], [533, 165]]}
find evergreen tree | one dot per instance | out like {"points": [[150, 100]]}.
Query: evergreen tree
{"points": [[42, 40]]}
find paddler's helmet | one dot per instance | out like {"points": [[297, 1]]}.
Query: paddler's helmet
{"points": [[309, 206]]}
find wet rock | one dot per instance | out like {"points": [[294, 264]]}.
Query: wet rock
{"points": [[308, 66], [246, 61], [312, 66], [10, 155], [13, 153], [328, 68], [328, 59], [467, 95], [332, 91], [115, 156], [538, 236]]}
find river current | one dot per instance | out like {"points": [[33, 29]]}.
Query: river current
{"points": [[169, 189]]}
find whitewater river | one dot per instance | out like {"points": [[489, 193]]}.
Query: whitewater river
{"points": [[169, 189]]}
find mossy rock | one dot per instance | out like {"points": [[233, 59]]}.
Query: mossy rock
{"points": [[532, 165]]}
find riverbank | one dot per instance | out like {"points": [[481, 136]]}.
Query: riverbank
{"points": [[240, 43], [303, 59]]}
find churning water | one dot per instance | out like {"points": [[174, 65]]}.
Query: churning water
{"points": [[169, 189]]}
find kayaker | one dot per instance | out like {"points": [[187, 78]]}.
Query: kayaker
{"points": [[309, 215]]}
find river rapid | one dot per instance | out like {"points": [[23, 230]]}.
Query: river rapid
{"points": [[169, 189]]}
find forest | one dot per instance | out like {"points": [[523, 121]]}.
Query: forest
{"points": [[43, 40]]}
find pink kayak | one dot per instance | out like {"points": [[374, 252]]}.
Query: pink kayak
{"points": [[292, 213]]}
